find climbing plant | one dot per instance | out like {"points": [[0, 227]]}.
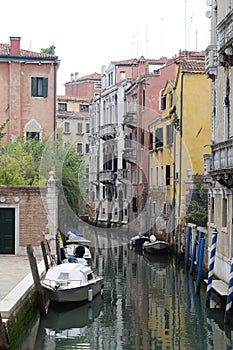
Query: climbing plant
{"points": [[197, 212]]}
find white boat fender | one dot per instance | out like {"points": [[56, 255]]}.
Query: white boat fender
{"points": [[152, 238], [90, 294]]}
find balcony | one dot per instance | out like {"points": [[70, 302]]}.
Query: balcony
{"points": [[130, 119], [108, 131], [211, 61], [107, 177], [122, 175], [221, 168], [130, 155], [225, 39], [94, 179]]}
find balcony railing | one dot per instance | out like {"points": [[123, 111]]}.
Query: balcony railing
{"points": [[122, 174], [107, 131], [130, 119], [211, 61], [130, 155], [221, 168], [106, 176], [225, 39]]}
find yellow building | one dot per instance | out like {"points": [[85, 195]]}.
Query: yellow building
{"points": [[179, 139]]}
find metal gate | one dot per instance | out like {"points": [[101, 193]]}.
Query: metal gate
{"points": [[7, 231]]}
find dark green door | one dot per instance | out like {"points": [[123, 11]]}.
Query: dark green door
{"points": [[7, 231]]}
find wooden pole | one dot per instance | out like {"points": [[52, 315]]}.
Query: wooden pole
{"points": [[44, 255], [3, 336], [36, 278]]}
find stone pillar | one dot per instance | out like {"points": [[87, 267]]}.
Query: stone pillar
{"points": [[52, 212]]}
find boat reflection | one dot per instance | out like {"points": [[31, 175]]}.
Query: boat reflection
{"points": [[67, 321], [156, 261]]}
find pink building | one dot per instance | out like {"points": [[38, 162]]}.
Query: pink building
{"points": [[27, 92]]}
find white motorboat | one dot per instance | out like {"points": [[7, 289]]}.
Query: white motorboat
{"points": [[155, 246], [72, 283]]}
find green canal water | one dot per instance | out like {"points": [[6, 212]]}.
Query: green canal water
{"points": [[148, 303]]}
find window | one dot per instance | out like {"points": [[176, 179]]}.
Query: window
{"points": [[169, 134], [151, 176], [211, 209], [84, 108], [87, 173], [80, 148], [167, 175], [159, 137], [110, 79], [157, 176], [39, 87], [163, 103], [170, 99], [143, 99], [30, 135], [150, 140], [87, 147], [135, 208], [66, 127], [122, 75], [161, 175], [224, 212], [87, 128], [79, 128], [140, 176], [62, 106], [154, 207], [142, 137], [98, 85]]}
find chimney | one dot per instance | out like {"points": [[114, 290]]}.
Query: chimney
{"points": [[15, 45]]}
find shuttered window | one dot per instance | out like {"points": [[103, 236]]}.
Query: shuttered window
{"points": [[39, 87], [159, 137]]}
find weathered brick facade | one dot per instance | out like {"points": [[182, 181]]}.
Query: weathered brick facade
{"points": [[35, 214]]}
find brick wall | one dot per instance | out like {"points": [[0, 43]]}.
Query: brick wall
{"points": [[31, 220]]}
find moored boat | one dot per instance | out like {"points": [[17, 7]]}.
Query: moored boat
{"points": [[155, 246], [138, 240], [72, 283]]}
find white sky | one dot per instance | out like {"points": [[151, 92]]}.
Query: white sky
{"points": [[91, 33]]}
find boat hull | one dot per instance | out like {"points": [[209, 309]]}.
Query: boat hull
{"points": [[156, 247], [78, 294]]}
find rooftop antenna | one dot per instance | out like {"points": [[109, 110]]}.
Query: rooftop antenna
{"points": [[137, 41], [190, 33]]}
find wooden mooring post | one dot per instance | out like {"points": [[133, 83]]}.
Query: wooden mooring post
{"points": [[3, 336], [36, 278]]}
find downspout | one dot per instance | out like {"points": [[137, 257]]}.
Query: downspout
{"points": [[55, 100], [180, 163], [174, 189]]}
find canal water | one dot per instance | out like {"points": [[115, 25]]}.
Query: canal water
{"points": [[148, 303]]}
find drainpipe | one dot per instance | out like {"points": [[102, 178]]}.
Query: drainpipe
{"points": [[174, 188], [180, 163], [55, 99]]}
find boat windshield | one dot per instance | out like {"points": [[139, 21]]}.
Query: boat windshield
{"points": [[63, 276]]}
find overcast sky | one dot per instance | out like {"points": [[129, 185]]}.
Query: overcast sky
{"points": [[89, 34]]}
